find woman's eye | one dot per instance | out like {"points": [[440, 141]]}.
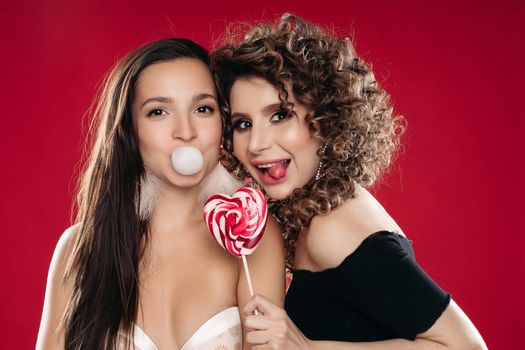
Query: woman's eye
{"points": [[278, 116], [157, 112], [241, 124], [204, 109]]}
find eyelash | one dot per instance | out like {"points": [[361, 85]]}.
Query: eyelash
{"points": [[237, 124], [210, 110], [152, 112], [284, 114]]}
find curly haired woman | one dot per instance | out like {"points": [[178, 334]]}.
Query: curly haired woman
{"points": [[311, 126]]}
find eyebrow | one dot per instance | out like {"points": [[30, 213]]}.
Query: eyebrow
{"points": [[203, 96], [164, 99], [161, 99], [271, 108], [238, 115]]}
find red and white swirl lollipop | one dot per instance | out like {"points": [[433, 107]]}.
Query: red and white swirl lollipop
{"points": [[237, 222]]}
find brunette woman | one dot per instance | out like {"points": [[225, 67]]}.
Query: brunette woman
{"points": [[139, 269]]}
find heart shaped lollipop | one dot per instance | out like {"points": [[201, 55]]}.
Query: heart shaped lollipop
{"points": [[237, 222]]}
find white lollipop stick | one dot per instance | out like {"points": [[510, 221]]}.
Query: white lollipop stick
{"points": [[247, 271], [248, 278]]}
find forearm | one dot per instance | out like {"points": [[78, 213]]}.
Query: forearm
{"points": [[398, 344], [452, 330]]}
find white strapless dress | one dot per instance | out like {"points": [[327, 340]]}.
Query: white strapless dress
{"points": [[221, 332]]}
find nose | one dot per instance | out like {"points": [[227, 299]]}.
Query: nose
{"points": [[184, 129], [260, 138]]}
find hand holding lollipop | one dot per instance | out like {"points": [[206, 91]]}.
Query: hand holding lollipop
{"points": [[237, 222]]}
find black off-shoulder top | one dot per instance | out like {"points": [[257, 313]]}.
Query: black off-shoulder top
{"points": [[378, 292]]}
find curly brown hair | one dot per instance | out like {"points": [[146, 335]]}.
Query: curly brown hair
{"points": [[349, 112]]}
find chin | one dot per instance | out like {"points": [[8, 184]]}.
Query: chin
{"points": [[184, 181], [278, 193]]}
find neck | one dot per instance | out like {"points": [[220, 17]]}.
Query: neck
{"points": [[175, 207]]}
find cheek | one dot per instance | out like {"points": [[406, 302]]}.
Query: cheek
{"points": [[303, 146], [298, 138], [148, 138], [211, 134], [240, 146]]}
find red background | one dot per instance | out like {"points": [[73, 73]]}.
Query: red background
{"points": [[454, 70]]}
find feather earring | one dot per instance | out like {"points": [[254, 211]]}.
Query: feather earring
{"points": [[150, 187]]}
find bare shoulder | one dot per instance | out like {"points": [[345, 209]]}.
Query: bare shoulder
{"points": [[273, 232], [272, 243], [58, 291], [332, 237], [67, 240], [63, 251]]}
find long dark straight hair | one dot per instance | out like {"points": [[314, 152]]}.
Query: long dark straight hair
{"points": [[111, 237]]}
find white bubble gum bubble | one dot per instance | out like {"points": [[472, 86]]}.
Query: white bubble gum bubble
{"points": [[187, 160]]}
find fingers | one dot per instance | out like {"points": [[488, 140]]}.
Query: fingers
{"points": [[258, 322], [258, 337], [260, 347], [265, 331], [258, 302]]}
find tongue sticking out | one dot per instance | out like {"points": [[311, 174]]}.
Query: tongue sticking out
{"points": [[277, 171]]}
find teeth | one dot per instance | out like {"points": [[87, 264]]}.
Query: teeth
{"points": [[269, 165], [266, 166]]}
